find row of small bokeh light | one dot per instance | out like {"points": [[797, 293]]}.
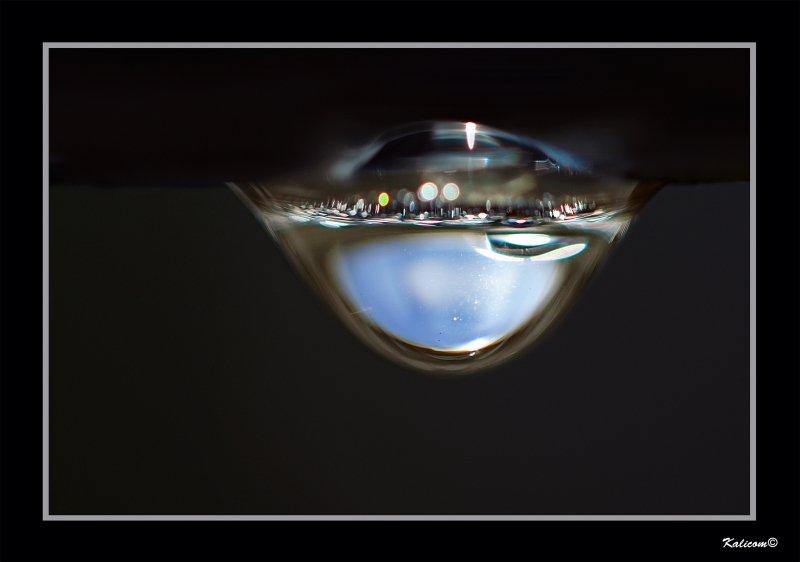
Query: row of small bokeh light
{"points": [[428, 191], [378, 205], [356, 206]]}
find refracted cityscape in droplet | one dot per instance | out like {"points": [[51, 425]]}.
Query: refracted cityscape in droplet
{"points": [[448, 247]]}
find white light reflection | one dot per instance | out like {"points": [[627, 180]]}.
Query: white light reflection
{"points": [[561, 253], [451, 191], [470, 128], [334, 224], [522, 239], [427, 191]]}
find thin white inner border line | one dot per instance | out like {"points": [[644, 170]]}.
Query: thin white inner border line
{"points": [[45, 278]]}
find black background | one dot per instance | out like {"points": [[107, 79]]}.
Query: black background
{"points": [[182, 375], [190, 373], [202, 117]]}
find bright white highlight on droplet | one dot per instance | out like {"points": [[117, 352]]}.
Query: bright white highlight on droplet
{"points": [[558, 254], [334, 224], [523, 239], [470, 127], [561, 253], [480, 343], [427, 191], [450, 191]]}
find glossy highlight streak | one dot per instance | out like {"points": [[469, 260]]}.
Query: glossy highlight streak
{"points": [[470, 129]]}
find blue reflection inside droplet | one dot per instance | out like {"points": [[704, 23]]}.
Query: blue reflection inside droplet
{"points": [[443, 291]]}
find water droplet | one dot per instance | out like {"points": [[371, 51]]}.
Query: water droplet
{"points": [[485, 242]]}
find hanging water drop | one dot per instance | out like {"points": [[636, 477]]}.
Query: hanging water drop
{"points": [[447, 281]]}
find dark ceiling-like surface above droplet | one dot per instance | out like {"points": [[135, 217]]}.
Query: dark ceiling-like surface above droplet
{"points": [[204, 116]]}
